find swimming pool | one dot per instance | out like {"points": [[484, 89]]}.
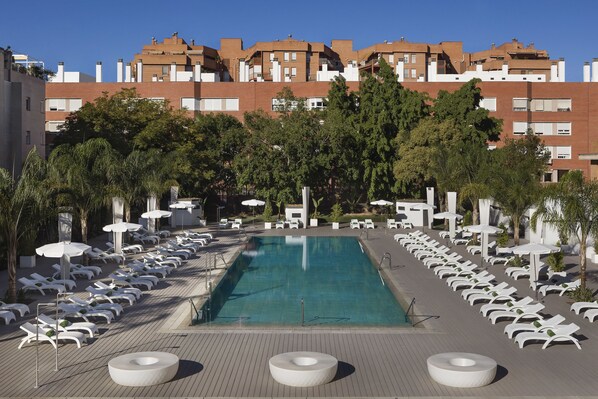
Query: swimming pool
{"points": [[333, 276]]}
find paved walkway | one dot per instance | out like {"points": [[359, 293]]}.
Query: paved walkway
{"points": [[374, 363]]}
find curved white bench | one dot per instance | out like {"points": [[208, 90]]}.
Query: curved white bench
{"points": [[462, 370], [303, 369], [143, 368]]}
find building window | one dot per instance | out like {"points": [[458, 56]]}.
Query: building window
{"points": [[293, 71], [28, 103], [488, 103], [414, 73], [563, 128], [406, 73], [219, 104], [519, 127], [75, 104], [164, 70], [293, 56], [406, 58], [542, 128], [563, 152], [54, 126], [520, 104], [391, 58], [413, 58], [190, 104], [563, 105], [286, 71], [56, 104], [28, 137], [286, 56], [271, 57]]}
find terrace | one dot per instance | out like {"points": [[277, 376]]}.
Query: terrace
{"points": [[372, 362]]}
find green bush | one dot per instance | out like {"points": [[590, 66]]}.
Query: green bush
{"points": [[267, 214], [336, 212], [517, 261], [555, 262], [581, 295], [502, 239], [468, 219]]}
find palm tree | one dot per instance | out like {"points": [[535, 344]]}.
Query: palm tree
{"points": [[80, 173], [572, 207], [139, 175], [23, 202], [515, 180]]}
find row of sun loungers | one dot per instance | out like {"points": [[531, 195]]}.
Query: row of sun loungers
{"points": [[477, 286], [106, 299]]}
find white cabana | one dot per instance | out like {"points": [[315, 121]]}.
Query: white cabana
{"points": [[182, 205], [422, 206]]}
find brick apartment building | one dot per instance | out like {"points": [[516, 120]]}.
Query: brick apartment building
{"points": [[520, 84], [22, 115]]}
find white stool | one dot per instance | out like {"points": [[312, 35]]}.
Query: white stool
{"points": [[142, 369], [303, 369], [462, 370]]}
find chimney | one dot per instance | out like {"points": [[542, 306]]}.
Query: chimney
{"points": [[432, 70], [505, 68], [197, 72], [478, 67], [99, 72], [401, 70], [554, 72], [119, 70], [139, 72], [173, 72], [561, 70], [128, 72], [595, 70], [242, 77], [60, 72], [586, 71]]}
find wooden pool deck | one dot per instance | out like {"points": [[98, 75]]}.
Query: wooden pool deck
{"points": [[373, 363]]}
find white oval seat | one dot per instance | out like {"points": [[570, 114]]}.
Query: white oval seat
{"points": [[142, 369], [303, 369], [462, 370]]}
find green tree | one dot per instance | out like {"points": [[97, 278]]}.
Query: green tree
{"points": [[385, 110], [23, 203], [80, 173], [120, 118], [515, 179], [571, 206]]}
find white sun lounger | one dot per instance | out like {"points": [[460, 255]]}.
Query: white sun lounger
{"points": [[562, 333], [466, 293], [493, 296], [492, 307], [36, 332], [7, 316], [560, 288], [130, 282], [116, 308], [70, 284], [523, 313], [84, 313], [576, 307], [109, 295], [535, 326], [15, 307], [74, 272], [127, 290], [33, 285], [65, 325]]}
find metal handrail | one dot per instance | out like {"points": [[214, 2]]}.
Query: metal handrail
{"points": [[367, 234], [409, 309], [385, 256]]}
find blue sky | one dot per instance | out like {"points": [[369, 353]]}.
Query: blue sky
{"points": [[81, 32]]}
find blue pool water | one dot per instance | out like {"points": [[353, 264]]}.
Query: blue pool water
{"points": [[337, 281]]}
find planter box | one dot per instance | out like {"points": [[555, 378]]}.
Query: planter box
{"points": [[313, 222], [268, 225], [27, 262], [335, 225]]}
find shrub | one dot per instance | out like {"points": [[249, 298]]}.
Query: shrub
{"points": [[336, 212], [517, 261], [581, 294], [468, 219], [502, 239], [555, 262], [267, 215]]}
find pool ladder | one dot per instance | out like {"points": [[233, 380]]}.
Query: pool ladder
{"points": [[385, 256]]}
